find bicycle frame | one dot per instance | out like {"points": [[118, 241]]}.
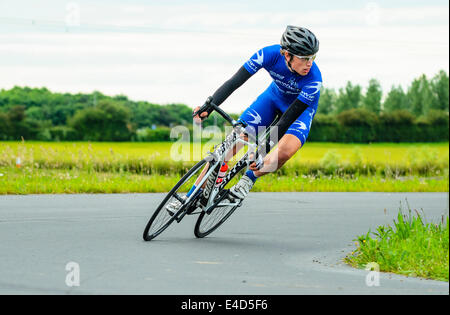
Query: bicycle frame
{"points": [[211, 190], [217, 157]]}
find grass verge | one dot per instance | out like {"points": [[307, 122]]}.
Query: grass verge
{"points": [[411, 247], [49, 181], [315, 159]]}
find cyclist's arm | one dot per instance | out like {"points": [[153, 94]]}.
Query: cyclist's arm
{"points": [[231, 85], [287, 119], [225, 90]]}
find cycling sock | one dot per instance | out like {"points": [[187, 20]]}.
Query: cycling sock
{"points": [[251, 175]]}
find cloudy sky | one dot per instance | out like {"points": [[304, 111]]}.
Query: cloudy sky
{"points": [[182, 51]]}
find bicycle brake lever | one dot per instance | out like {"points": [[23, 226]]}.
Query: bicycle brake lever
{"points": [[204, 108]]}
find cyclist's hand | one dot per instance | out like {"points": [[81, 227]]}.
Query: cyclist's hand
{"points": [[203, 115]]}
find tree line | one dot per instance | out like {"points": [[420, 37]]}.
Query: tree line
{"points": [[418, 114], [39, 114], [421, 97]]}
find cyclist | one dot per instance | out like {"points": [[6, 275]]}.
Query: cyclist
{"points": [[295, 92]]}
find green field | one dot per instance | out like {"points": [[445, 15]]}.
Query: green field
{"points": [[76, 167]]}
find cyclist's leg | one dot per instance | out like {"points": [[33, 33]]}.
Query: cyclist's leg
{"points": [[258, 115], [294, 138]]}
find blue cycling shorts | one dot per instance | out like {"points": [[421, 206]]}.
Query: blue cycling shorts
{"points": [[263, 111]]}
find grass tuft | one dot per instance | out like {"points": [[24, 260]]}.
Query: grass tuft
{"points": [[410, 247]]}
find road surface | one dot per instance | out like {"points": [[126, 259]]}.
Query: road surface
{"points": [[276, 243]]}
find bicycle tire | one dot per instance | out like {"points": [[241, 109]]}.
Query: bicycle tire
{"points": [[200, 232], [164, 216]]}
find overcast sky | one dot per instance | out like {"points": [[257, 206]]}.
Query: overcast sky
{"points": [[182, 51]]}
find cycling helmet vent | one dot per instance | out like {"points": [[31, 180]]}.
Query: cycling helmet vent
{"points": [[299, 41]]}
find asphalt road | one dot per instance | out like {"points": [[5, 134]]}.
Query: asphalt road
{"points": [[276, 243]]}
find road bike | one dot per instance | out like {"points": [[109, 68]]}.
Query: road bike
{"points": [[211, 202]]}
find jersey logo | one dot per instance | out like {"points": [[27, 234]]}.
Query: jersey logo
{"points": [[257, 118], [292, 83], [308, 94], [259, 58], [315, 86], [302, 125]]}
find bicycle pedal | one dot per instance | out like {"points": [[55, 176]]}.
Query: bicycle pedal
{"points": [[171, 213], [234, 201]]}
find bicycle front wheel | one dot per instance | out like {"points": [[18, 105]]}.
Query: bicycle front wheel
{"points": [[162, 218]]}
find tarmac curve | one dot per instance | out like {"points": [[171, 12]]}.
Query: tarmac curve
{"points": [[276, 243]]}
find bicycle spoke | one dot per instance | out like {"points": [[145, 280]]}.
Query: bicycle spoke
{"points": [[215, 217]]}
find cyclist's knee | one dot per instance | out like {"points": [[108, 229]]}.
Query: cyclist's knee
{"points": [[284, 156], [288, 146]]}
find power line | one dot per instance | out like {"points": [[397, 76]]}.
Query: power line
{"points": [[61, 25], [113, 28]]}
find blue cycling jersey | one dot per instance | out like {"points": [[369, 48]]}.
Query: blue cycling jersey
{"points": [[287, 85]]}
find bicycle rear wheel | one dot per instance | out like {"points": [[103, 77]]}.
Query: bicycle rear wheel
{"points": [[208, 222], [161, 218]]}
